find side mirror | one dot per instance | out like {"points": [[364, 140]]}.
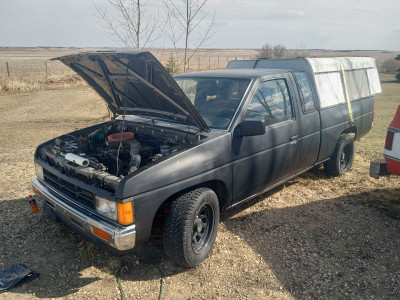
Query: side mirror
{"points": [[252, 127]]}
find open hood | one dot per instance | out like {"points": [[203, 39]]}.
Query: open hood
{"points": [[134, 82]]}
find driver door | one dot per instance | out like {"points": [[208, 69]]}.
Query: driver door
{"points": [[261, 161]]}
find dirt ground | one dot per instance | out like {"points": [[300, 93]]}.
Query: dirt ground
{"points": [[313, 238]]}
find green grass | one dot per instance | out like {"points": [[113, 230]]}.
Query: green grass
{"points": [[371, 146]]}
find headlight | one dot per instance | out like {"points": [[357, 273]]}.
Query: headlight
{"points": [[39, 172], [106, 207]]}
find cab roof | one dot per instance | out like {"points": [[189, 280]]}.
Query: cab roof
{"points": [[234, 73]]}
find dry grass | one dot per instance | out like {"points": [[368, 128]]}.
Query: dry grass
{"points": [[88, 250], [371, 146], [29, 74], [34, 83]]}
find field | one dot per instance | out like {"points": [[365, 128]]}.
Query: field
{"points": [[313, 238], [31, 68]]}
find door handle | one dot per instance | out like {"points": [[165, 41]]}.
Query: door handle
{"points": [[294, 138]]}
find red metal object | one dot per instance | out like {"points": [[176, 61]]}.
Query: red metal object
{"points": [[393, 166], [396, 120], [124, 136], [120, 137], [393, 163]]}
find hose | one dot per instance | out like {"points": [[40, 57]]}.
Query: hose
{"points": [[121, 289], [161, 280]]}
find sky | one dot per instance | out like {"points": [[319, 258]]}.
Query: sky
{"points": [[311, 24]]}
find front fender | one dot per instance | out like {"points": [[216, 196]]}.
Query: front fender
{"points": [[207, 161], [147, 204]]}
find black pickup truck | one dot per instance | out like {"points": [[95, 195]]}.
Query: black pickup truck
{"points": [[178, 151]]}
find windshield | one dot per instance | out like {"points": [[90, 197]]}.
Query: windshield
{"points": [[216, 99]]}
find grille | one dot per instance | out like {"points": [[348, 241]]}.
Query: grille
{"points": [[75, 192]]}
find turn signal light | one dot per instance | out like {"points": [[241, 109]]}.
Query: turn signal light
{"points": [[389, 140], [101, 233], [37, 192], [125, 213]]}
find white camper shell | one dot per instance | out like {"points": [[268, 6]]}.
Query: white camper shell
{"points": [[337, 79]]}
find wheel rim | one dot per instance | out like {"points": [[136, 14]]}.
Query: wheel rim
{"points": [[345, 158], [203, 228]]}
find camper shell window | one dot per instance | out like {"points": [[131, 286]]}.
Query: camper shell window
{"points": [[357, 84]]}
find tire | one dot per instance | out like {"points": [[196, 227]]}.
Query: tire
{"points": [[342, 158], [191, 227]]}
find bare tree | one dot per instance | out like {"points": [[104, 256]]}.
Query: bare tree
{"points": [[266, 51], [130, 23], [187, 26], [398, 71], [279, 51], [272, 52], [389, 65]]}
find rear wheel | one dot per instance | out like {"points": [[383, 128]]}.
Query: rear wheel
{"points": [[191, 227], [342, 158]]}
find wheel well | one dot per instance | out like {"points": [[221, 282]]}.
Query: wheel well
{"points": [[216, 185], [351, 130]]}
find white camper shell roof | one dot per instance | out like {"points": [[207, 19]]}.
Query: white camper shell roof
{"points": [[337, 79]]}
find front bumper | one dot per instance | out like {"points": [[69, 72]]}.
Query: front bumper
{"points": [[120, 237]]}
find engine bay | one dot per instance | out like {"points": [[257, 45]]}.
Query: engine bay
{"points": [[102, 157]]}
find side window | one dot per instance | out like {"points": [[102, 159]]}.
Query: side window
{"points": [[271, 102], [306, 91]]}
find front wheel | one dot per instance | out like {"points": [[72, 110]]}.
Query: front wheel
{"points": [[191, 227], [342, 158]]}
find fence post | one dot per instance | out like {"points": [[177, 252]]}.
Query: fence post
{"points": [[8, 70], [218, 62], [209, 62], [45, 62]]}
